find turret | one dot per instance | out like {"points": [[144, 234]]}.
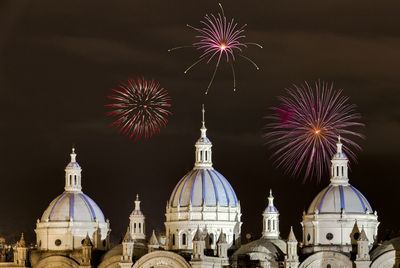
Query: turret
{"points": [[291, 259], [21, 252], [127, 250], [362, 257], [198, 245], [137, 222], [271, 219], [222, 246], [87, 247]]}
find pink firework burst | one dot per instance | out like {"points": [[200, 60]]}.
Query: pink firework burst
{"points": [[218, 38], [303, 130], [140, 108]]}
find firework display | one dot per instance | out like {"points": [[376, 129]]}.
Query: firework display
{"points": [[219, 38], [140, 108], [303, 130]]}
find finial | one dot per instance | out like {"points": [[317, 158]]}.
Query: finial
{"points": [[203, 111], [73, 154], [339, 145], [137, 197], [270, 199]]}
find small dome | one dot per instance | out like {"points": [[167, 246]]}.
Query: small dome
{"points": [[73, 206], [203, 185], [276, 248], [334, 198]]}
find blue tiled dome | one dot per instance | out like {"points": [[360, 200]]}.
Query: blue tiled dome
{"points": [[203, 185], [75, 206], [335, 198]]}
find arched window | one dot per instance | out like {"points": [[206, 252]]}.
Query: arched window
{"points": [[211, 239], [273, 225], [134, 227], [70, 179], [140, 227], [269, 224], [75, 179], [328, 266], [184, 239], [234, 239], [173, 239], [337, 171], [342, 171]]}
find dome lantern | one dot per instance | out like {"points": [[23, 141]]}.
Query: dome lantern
{"points": [[339, 168], [271, 219], [73, 174], [203, 147]]}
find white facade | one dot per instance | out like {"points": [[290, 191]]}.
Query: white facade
{"points": [[71, 216]]}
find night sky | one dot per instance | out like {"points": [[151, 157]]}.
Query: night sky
{"points": [[59, 59]]}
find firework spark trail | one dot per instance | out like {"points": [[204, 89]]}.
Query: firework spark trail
{"points": [[140, 108], [303, 130], [219, 37]]}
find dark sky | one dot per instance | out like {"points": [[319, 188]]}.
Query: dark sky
{"points": [[59, 59]]}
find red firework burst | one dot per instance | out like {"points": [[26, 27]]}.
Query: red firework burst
{"points": [[304, 129], [140, 108]]}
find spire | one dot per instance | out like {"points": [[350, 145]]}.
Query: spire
{"points": [[153, 240], [198, 236], [203, 146], [292, 237], [21, 243], [127, 238], [363, 235], [222, 238], [73, 174], [339, 169], [87, 241], [203, 128]]}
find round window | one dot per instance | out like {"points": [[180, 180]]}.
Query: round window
{"points": [[57, 242], [329, 236], [356, 235], [308, 237]]}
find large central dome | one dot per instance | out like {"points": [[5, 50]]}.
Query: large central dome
{"points": [[203, 199], [203, 187]]}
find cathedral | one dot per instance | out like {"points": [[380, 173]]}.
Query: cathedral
{"points": [[203, 228]]}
